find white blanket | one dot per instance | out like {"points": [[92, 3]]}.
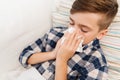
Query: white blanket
{"points": [[22, 74], [30, 74]]}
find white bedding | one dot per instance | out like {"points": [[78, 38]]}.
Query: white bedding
{"points": [[21, 22], [30, 74], [22, 74]]}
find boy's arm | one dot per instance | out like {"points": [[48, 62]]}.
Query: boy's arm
{"points": [[64, 51], [32, 50], [39, 51], [61, 70], [95, 68], [41, 57]]}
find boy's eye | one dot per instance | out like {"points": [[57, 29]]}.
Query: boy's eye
{"points": [[83, 30]]}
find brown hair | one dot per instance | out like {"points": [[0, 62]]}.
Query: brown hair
{"points": [[107, 7]]}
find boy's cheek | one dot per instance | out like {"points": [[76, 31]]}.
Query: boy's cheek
{"points": [[86, 41]]}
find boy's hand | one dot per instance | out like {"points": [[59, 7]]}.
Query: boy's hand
{"points": [[67, 45]]}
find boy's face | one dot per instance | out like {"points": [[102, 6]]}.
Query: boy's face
{"points": [[87, 23]]}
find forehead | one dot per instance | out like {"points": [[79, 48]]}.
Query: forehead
{"points": [[90, 20]]}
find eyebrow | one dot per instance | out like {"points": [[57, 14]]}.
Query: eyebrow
{"points": [[80, 24]]}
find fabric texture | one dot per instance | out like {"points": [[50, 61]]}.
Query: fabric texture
{"points": [[90, 64]]}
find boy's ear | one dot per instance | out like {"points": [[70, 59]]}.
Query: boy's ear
{"points": [[102, 33]]}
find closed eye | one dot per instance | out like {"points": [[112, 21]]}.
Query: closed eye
{"points": [[85, 31]]}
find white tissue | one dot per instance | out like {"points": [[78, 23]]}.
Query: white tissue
{"points": [[70, 30], [80, 48]]}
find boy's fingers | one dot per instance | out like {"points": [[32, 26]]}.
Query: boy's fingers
{"points": [[79, 42], [75, 38]]}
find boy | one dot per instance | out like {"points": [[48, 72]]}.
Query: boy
{"points": [[55, 61]]}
